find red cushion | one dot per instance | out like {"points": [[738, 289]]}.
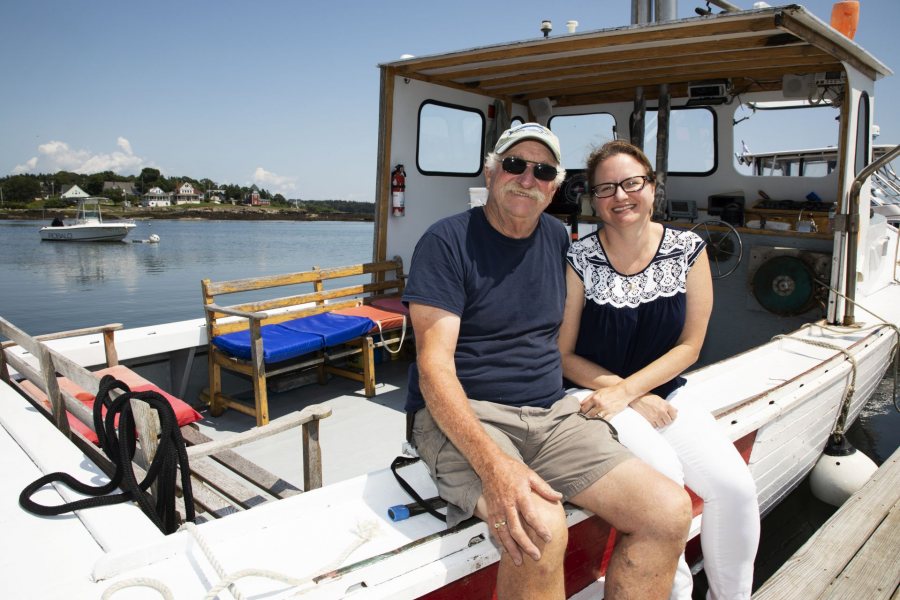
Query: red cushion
{"points": [[389, 320], [392, 304], [184, 414]]}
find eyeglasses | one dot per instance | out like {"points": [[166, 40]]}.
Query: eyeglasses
{"points": [[629, 186], [516, 166]]}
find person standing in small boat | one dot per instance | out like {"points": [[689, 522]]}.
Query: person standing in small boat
{"points": [[638, 304], [501, 439]]}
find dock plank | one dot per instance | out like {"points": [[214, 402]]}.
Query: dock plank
{"points": [[874, 573], [826, 561]]}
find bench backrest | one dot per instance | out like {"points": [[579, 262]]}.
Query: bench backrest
{"points": [[387, 282]]}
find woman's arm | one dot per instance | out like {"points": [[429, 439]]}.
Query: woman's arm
{"points": [[577, 369]]}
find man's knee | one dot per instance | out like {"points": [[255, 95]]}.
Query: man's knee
{"points": [[554, 516]]}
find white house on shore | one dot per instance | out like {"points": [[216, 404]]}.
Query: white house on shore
{"points": [[155, 197], [186, 194], [73, 194]]}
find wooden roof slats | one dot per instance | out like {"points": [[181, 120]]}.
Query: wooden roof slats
{"points": [[672, 75], [675, 65], [755, 47], [612, 56], [634, 36]]}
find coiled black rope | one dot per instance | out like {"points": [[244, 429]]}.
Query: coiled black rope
{"points": [[119, 448]]}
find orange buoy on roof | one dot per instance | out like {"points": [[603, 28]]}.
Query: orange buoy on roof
{"points": [[845, 16]]}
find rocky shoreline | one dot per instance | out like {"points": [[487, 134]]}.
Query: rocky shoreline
{"points": [[236, 213]]}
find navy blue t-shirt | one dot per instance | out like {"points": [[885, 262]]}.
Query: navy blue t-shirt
{"points": [[509, 295]]}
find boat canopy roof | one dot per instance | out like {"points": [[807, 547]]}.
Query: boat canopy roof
{"points": [[753, 48]]}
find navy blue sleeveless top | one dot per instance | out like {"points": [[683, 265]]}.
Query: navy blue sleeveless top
{"points": [[629, 321]]}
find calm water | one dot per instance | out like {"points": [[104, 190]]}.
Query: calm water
{"points": [[53, 286]]}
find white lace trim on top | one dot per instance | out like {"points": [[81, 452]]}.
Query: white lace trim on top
{"points": [[664, 277]]}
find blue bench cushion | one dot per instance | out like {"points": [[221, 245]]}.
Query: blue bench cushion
{"points": [[334, 328], [295, 338]]}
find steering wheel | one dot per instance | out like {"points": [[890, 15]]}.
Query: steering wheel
{"points": [[722, 248]]}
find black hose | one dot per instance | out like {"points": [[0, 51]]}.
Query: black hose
{"points": [[119, 447]]}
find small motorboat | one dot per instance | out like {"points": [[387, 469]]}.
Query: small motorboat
{"points": [[88, 226]]}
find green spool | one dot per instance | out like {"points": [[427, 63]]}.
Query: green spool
{"points": [[784, 285]]}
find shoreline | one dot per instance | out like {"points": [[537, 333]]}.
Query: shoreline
{"points": [[191, 214]]}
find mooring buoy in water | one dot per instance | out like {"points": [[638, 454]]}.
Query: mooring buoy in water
{"points": [[153, 239], [840, 472]]}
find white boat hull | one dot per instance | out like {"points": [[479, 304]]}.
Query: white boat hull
{"points": [[97, 232]]}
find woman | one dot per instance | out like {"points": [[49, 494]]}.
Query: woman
{"points": [[638, 304]]}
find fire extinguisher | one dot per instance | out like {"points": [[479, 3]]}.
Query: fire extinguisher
{"points": [[398, 187]]}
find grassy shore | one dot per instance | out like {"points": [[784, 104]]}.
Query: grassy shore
{"points": [[190, 211]]}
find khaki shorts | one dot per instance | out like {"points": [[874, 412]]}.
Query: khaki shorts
{"points": [[565, 448]]}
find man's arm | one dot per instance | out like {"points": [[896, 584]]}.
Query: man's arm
{"points": [[507, 484]]}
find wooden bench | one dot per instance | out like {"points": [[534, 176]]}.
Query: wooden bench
{"points": [[286, 319], [222, 481]]}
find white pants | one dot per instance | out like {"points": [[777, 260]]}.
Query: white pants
{"points": [[693, 450]]}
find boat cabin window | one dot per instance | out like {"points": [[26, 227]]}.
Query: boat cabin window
{"points": [[580, 134], [692, 140], [757, 124], [451, 140], [862, 134]]}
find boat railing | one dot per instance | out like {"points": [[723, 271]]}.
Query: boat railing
{"points": [[851, 227]]}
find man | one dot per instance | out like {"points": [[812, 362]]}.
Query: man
{"points": [[486, 291]]}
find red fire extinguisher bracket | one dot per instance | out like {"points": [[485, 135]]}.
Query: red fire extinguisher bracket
{"points": [[398, 191]]}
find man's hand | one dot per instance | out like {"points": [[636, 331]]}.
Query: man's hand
{"points": [[656, 410], [507, 488]]}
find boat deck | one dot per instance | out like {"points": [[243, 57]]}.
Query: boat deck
{"points": [[854, 555], [362, 435]]}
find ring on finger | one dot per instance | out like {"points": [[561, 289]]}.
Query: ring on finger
{"points": [[499, 524]]}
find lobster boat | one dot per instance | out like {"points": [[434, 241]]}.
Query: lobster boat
{"points": [[804, 326]]}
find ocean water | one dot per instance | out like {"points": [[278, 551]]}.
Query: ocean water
{"points": [[54, 286]]}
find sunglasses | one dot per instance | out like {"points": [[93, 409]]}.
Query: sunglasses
{"points": [[516, 166]]}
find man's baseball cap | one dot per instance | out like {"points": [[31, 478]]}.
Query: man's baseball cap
{"points": [[528, 131]]}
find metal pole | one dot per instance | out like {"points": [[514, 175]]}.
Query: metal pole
{"points": [[853, 229], [666, 10], [726, 6], [640, 13], [662, 150]]}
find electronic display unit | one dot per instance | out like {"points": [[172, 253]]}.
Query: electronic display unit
{"points": [[683, 209]]}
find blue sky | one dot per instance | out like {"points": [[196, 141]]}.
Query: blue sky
{"points": [[275, 92]]}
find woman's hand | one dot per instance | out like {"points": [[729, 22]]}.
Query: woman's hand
{"points": [[606, 402], [656, 410]]}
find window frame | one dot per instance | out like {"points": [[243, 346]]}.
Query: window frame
{"points": [[459, 107], [715, 141]]}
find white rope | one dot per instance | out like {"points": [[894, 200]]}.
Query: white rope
{"points": [[364, 532], [838, 427], [147, 582], [384, 342], [895, 356]]}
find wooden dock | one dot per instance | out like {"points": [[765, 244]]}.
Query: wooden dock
{"points": [[854, 554]]}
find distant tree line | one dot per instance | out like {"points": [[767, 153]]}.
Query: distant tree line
{"points": [[20, 190]]}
